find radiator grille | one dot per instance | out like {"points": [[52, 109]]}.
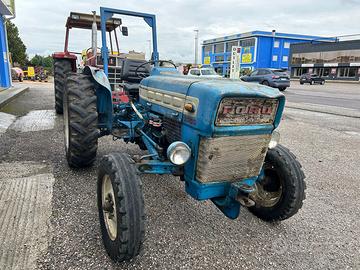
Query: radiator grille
{"points": [[231, 158], [173, 129]]}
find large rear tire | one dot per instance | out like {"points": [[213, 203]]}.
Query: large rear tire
{"points": [[61, 68], [280, 194], [80, 120], [121, 207]]}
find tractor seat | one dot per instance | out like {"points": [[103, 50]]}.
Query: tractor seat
{"points": [[129, 67]]}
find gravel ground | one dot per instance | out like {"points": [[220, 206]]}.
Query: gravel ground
{"points": [[182, 233]]}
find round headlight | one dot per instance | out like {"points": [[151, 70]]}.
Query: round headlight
{"points": [[178, 153], [275, 138]]}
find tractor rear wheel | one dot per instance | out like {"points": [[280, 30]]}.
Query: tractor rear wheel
{"points": [[80, 120], [280, 194], [61, 68], [121, 207]]}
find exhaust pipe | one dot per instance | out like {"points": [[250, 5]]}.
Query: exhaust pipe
{"points": [[94, 37]]}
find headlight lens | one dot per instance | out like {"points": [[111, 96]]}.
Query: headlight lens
{"points": [[275, 138], [178, 153]]}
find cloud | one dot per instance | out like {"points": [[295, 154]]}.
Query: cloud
{"points": [[42, 23]]}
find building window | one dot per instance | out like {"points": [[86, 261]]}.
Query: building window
{"points": [[349, 72], [219, 58], [287, 45], [276, 44], [285, 58], [207, 49], [250, 42], [219, 48], [230, 44], [274, 57]]}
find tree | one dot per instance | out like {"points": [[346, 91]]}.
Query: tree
{"points": [[16, 45], [39, 60]]}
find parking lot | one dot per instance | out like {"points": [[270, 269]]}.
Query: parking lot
{"points": [[321, 126]]}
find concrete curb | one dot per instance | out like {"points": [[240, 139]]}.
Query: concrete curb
{"points": [[324, 109], [8, 95]]}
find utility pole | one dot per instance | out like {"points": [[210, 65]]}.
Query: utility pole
{"points": [[196, 45]]}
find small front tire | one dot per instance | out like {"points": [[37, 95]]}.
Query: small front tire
{"points": [[121, 207], [280, 194]]}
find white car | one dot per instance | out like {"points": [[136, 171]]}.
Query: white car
{"points": [[203, 72]]}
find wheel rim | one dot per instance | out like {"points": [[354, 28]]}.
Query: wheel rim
{"points": [[268, 192], [109, 207]]}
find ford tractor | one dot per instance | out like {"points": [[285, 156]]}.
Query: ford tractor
{"points": [[219, 136]]}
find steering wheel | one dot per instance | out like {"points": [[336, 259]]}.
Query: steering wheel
{"points": [[151, 62]]}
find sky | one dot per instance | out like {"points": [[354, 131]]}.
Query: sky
{"points": [[41, 23]]}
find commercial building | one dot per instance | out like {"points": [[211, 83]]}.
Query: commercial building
{"points": [[331, 60], [6, 9], [260, 49]]}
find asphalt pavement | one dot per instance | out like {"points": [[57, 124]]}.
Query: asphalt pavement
{"points": [[181, 233], [342, 95]]}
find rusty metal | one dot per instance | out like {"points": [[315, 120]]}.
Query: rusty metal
{"points": [[231, 158]]}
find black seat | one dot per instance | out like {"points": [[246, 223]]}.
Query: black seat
{"points": [[129, 67]]}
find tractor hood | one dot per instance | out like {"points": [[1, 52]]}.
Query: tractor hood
{"points": [[167, 94]]}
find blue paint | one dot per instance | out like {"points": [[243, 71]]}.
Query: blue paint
{"points": [[5, 76]]}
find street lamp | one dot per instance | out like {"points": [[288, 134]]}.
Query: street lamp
{"points": [[196, 45]]}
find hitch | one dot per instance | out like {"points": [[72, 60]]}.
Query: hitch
{"points": [[237, 195]]}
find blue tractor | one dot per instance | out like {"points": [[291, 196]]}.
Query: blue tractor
{"points": [[217, 135]]}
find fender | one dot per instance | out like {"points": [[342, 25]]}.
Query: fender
{"points": [[104, 98]]}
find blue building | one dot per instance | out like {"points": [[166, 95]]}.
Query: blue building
{"points": [[5, 75], [260, 49]]}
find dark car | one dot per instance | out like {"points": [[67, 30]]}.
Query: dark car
{"points": [[277, 78], [311, 79]]}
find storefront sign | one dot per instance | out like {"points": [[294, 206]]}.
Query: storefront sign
{"points": [[207, 60], [246, 58], [330, 64], [235, 62]]}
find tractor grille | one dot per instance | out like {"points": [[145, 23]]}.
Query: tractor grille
{"points": [[173, 129], [231, 158]]}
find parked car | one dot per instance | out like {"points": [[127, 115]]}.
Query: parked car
{"points": [[203, 72], [311, 79], [276, 78], [17, 74]]}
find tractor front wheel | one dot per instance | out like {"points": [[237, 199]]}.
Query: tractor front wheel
{"points": [[121, 207], [80, 120], [281, 191], [61, 68]]}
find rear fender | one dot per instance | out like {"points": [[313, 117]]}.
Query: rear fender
{"points": [[104, 98], [67, 56]]}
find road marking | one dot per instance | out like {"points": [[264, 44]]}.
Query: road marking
{"points": [[5, 121], [35, 121], [25, 209], [352, 133]]}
